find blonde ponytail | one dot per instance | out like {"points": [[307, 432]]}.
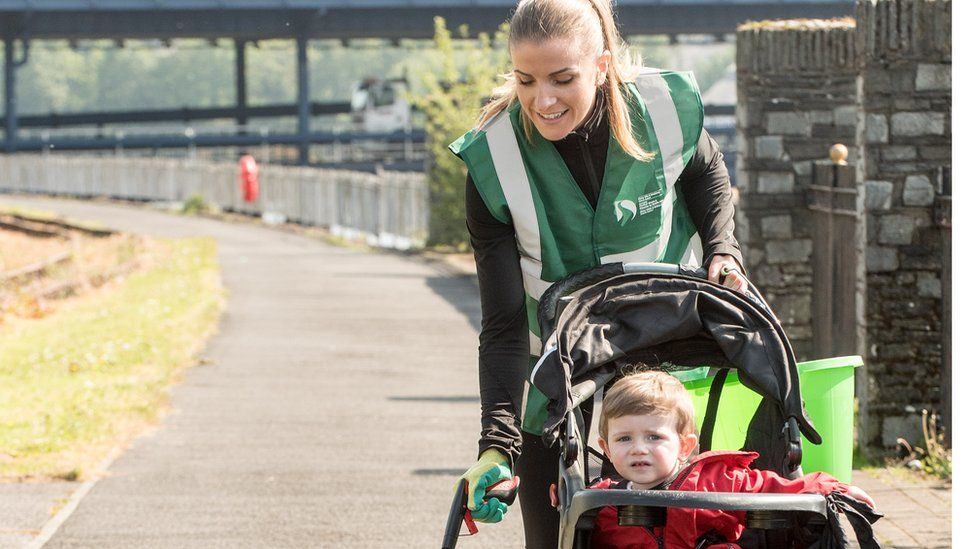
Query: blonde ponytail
{"points": [[623, 68], [591, 21]]}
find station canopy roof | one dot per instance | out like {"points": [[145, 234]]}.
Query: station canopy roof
{"points": [[345, 19]]}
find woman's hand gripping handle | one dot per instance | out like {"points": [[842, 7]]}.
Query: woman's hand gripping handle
{"points": [[724, 270], [483, 493]]}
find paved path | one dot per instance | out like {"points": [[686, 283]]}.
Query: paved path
{"points": [[340, 403], [917, 513]]}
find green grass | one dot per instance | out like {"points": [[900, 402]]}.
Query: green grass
{"points": [[95, 374]]}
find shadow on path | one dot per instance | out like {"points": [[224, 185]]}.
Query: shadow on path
{"points": [[461, 291]]}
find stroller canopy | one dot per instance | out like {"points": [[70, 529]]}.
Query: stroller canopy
{"points": [[680, 319]]}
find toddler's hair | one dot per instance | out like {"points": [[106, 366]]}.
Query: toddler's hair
{"points": [[649, 392]]}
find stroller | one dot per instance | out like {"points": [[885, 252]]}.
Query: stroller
{"points": [[670, 316]]}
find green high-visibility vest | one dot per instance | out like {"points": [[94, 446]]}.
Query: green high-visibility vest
{"points": [[640, 213]]}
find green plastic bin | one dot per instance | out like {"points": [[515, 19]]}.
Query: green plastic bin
{"points": [[827, 388]]}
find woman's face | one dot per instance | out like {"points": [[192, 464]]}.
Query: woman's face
{"points": [[556, 83]]}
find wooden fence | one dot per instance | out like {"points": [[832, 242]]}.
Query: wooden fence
{"points": [[388, 209], [838, 257]]}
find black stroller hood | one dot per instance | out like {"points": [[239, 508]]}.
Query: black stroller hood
{"points": [[679, 319]]}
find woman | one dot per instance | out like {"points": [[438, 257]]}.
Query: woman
{"points": [[581, 158]]}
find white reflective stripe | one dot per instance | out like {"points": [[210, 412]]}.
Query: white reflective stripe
{"points": [[525, 399], [514, 181], [532, 278], [693, 253], [654, 250], [535, 345], [664, 116], [539, 362]]}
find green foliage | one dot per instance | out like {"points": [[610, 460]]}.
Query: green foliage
{"points": [[194, 205], [457, 78], [936, 458]]}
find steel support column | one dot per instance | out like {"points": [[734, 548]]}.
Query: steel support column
{"points": [[10, 95], [304, 108], [240, 48]]}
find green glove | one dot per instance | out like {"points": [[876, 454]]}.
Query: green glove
{"points": [[492, 467]]}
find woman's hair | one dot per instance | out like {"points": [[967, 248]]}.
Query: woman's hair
{"points": [[591, 24], [649, 392]]}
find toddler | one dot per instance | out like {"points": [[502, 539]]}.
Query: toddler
{"points": [[647, 429]]}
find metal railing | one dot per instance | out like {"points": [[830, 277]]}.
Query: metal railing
{"points": [[388, 209]]}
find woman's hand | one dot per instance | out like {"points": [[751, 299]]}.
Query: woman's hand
{"points": [[492, 467], [727, 265]]}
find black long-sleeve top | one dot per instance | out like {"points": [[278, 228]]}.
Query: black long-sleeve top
{"points": [[504, 344]]}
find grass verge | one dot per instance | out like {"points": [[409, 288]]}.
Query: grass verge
{"points": [[78, 383]]}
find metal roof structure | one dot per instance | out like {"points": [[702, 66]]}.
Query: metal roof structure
{"points": [[345, 19], [24, 21]]}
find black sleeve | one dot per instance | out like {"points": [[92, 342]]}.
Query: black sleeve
{"points": [[707, 191], [503, 352]]}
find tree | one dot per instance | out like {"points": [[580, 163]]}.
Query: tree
{"points": [[457, 77]]}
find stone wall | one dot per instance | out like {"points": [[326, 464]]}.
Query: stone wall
{"points": [[879, 84], [796, 98], [905, 105]]}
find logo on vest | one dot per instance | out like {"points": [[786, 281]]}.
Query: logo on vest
{"points": [[627, 210]]}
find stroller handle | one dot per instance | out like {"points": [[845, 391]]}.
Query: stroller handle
{"points": [[577, 281], [505, 490]]}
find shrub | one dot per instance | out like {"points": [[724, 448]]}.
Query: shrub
{"points": [[194, 204], [458, 79]]}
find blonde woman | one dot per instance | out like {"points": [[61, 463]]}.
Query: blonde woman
{"points": [[581, 158]]}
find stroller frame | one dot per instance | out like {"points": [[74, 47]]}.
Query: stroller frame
{"points": [[578, 505]]}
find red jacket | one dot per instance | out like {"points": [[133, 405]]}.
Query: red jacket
{"points": [[719, 471]]}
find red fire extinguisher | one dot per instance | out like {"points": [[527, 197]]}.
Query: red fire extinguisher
{"points": [[249, 178]]}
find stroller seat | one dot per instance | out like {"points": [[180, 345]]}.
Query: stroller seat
{"points": [[595, 320]]}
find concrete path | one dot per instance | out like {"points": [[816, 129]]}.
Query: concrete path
{"points": [[917, 513], [339, 405]]}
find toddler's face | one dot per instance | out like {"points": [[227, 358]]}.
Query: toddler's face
{"points": [[646, 449]]}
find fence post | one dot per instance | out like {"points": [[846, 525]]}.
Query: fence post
{"points": [[833, 203], [943, 220]]}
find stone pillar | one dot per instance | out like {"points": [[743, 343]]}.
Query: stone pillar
{"points": [[796, 98], [904, 137]]}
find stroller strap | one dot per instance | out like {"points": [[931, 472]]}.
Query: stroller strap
{"points": [[711, 411]]}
